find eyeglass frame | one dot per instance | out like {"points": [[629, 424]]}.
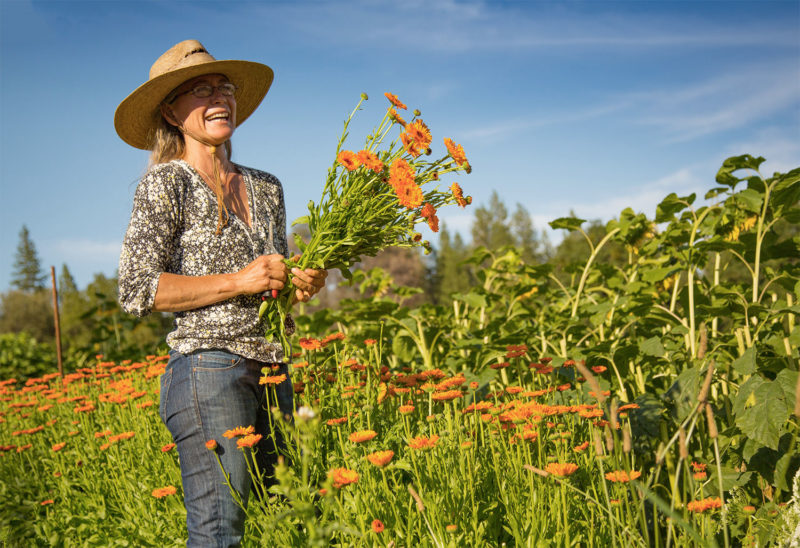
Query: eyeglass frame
{"points": [[170, 100]]}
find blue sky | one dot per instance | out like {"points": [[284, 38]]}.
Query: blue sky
{"points": [[588, 107]]}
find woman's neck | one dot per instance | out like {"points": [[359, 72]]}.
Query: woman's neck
{"points": [[203, 157]]}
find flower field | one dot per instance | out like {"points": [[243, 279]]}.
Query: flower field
{"points": [[654, 402]]}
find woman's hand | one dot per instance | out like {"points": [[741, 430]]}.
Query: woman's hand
{"points": [[264, 273], [308, 282]]}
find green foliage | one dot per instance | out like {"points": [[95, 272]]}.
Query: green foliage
{"points": [[22, 356]]}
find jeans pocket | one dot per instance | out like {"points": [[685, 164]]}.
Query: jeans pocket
{"points": [[217, 360], [163, 394]]}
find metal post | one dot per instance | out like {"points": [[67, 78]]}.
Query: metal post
{"points": [[56, 320]]}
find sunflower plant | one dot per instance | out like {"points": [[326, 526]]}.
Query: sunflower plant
{"points": [[373, 199]]}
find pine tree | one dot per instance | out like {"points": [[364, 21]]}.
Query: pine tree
{"points": [[27, 275], [490, 228], [66, 283]]}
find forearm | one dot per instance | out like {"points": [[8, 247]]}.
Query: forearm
{"points": [[177, 293]]}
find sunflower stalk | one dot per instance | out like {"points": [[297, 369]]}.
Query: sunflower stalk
{"points": [[372, 200]]}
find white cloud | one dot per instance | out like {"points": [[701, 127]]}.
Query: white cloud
{"points": [[81, 250]]}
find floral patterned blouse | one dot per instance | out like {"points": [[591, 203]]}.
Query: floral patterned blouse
{"points": [[173, 229]]}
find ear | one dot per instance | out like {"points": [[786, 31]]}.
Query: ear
{"points": [[169, 116]]}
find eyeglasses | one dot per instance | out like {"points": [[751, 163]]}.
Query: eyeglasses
{"points": [[205, 90]]}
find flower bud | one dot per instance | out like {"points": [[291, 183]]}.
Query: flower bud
{"points": [[364, 96], [417, 112]]}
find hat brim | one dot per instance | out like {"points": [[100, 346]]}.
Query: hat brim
{"points": [[138, 115]]}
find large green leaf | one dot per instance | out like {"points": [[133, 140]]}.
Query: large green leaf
{"points": [[762, 410], [652, 347]]}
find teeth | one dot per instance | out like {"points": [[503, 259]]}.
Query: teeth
{"points": [[223, 116]]}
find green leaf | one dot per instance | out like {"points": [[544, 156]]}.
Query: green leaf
{"points": [[652, 347], [299, 242], [750, 200], [669, 206], [567, 223], [746, 363], [472, 299], [765, 411]]}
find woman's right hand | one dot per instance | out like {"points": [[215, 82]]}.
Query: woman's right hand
{"points": [[264, 273]]}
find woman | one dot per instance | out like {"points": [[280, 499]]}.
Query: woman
{"points": [[206, 239]]}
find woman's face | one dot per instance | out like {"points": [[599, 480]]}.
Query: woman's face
{"points": [[211, 118]]}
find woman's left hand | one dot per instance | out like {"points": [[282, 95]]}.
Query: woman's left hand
{"points": [[308, 282]]}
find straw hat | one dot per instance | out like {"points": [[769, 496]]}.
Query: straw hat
{"points": [[138, 115]]}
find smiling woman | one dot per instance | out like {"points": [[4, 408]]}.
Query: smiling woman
{"points": [[207, 237]]}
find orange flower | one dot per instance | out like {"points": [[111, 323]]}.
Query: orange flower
{"points": [[275, 379], [401, 174], [239, 431], [333, 422], [168, 447], [162, 492], [342, 477], [310, 344], [396, 117], [362, 436], [704, 504], [422, 443], [448, 395], [59, 446], [381, 458], [377, 526], [561, 469], [406, 409], [369, 342], [458, 194], [248, 441], [420, 133], [581, 447], [699, 476], [456, 152], [698, 466], [46, 502], [621, 476], [211, 445], [395, 101], [370, 161], [452, 528], [410, 145], [348, 159], [409, 195]]}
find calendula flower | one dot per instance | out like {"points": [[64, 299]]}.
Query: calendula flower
{"points": [[395, 101], [581, 447], [410, 145], [406, 409], [274, 379], [700, 506], [401, 174], [168, 447], [456, 151], [452, 528], [380, 458], [248, 441], [409, 195], [46, 502], [458, 194], [621, 476], [396, 117], [377, 526], [348, 159], [422, 443], [342, 477], [239, 431], [698, 466], [211, 445], [310, 344], [362, 435], [370, 161], [448, 395], [59, 446], [561, 469], [369, 342], [334, 422], [162, 492]]}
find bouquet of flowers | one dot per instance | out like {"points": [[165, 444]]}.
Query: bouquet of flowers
{"points": [[373, 199]]}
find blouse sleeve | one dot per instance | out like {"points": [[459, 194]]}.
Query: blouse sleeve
{"points": [[149, 241]]}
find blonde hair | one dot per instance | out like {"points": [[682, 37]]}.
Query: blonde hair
{"points": [[169, 144]]}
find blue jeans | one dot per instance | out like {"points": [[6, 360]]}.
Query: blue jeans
{"points": [[203, 394]]}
